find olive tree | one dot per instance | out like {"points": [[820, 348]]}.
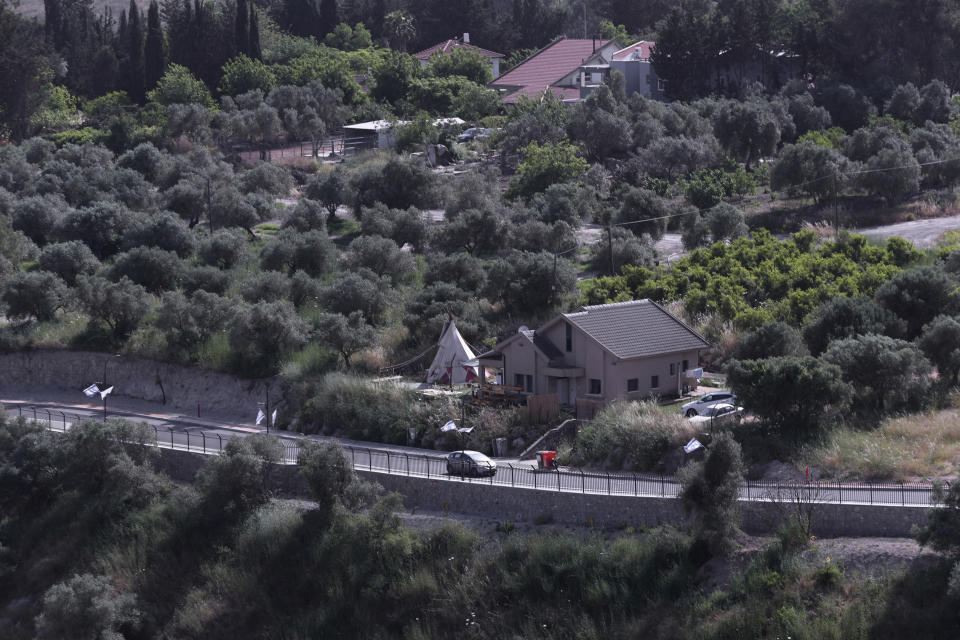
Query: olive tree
{"points": [[86, 607], [770, 340], [223, 249], [38, 294], [380, 255], [797, 396], [68, 260], [345, 334], [263, 333], [157, 270], [530, 283], [121, 305], [844, 317], [643, 212], [940, 341], [919, 295], [887, 373], [361, 291], [164, 230]]}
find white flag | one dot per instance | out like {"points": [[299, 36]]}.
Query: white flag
{"points": [[105, 393], [450, 426], [273, 418], [260, 416], [465, 429], [91, 391], [692, 446]]}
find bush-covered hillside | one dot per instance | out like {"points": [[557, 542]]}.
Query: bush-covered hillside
{"points": [[95, 544]]}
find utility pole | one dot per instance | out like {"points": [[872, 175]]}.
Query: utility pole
{"points": [[584, 5], [836, 209], [610, 246], [267, 406], [553, 281]]}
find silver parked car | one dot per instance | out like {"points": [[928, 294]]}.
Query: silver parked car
{"points": [[470, 463], [474, 133], [718, 415], [697, 406]]}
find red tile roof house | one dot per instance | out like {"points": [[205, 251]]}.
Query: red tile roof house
{"points": [[631, 350], [556, 68], [448, 46]]}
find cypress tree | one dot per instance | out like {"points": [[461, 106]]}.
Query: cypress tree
{"points": [[135, 53], [120, 42], [255, 51], [154, 59], [328, 16], [51, 22], [241, 43]]}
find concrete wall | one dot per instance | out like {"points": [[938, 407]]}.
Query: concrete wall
{"points": [[182, 388], [283, 479], [524, 504], [521, 504]]}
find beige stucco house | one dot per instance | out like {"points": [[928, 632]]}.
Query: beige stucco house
{"points": [[627, 349]]}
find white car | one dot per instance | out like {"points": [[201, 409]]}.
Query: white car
{"points": [[697, 407], [716, 415]]}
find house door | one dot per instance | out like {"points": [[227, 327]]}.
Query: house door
{"points": [[563, 390]]}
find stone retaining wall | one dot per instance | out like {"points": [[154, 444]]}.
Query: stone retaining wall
{"points": [[525, 504], [521, 504], [175, 386]]}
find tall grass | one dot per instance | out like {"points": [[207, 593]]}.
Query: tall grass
{"points": [[632, 435], [917, 446], [216, 353], [376, 411], [312, 360]]}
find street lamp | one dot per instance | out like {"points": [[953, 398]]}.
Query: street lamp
{"points": [[266, 406], [104, 383], [105, 361]]}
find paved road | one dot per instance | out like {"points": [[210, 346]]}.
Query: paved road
{"points": [[183, 433], [922, 233]]}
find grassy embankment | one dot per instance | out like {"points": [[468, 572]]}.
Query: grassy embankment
{"points": [[95, 542]]}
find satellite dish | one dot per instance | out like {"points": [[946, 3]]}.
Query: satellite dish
{"points": [[523, 329]]}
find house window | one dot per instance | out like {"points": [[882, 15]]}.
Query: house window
{"points": [[594, 387], [671, 369], [633, 384], [529, 384], [569, 338], [518, 380], [661, 85], [654, 382]]}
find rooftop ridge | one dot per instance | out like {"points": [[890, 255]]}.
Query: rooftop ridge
{"points": [[608, 305]]}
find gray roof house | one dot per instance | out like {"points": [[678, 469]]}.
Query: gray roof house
{"points": [[630, 349]]}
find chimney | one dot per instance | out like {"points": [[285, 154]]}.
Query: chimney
{"points": [[466, 38], [594, 38]]}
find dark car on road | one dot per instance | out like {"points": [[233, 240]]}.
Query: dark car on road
{"points": [[470, 463]]}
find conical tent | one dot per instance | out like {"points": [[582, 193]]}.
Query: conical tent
{"points": [[449, 365]]}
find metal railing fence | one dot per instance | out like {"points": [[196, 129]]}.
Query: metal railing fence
{"points": [[521, 475]]}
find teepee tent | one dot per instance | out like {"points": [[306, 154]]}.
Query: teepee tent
{"points": [[449, 365]]}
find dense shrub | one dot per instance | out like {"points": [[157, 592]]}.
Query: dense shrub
{"points": [[632, 435], [366, 410]]}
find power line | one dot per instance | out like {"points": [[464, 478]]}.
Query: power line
{"points": [[865, 171]]}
